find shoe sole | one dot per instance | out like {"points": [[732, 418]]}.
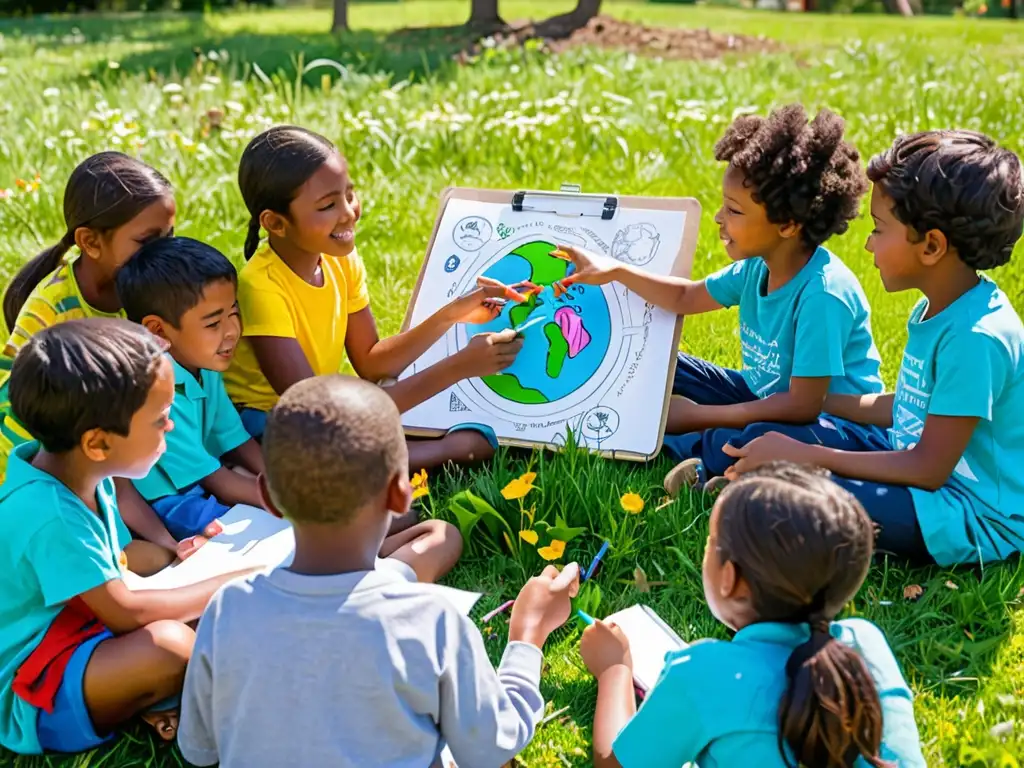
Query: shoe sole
{"points": [[685, 474]]}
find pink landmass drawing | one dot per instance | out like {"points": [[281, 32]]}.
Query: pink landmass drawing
{"points": [[575, 335]]}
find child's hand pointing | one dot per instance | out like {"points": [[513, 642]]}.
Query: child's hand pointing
{"points": [[591, 269]]}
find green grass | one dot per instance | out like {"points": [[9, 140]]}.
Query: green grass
{"points": [[412, 123]]}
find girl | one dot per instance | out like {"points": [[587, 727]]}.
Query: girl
{"points": [[305, 304], [113, 205], [787, 549]]}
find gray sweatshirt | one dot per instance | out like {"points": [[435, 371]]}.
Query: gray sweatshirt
{"points": [[349, 671]]}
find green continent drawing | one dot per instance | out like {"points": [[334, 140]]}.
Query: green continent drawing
{"points": [[560, 354]]}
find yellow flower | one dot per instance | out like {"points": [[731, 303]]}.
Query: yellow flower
{"points": [[553, 551], [530, 537], [419, 485], [519, 487], [632, 503]]}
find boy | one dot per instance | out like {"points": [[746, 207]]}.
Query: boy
{"points": [[805, 327], [947, 487], [183, 291], [331, 662], [80, 653]]}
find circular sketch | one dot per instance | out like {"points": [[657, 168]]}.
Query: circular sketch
{"points": [[566, 339], [472, 233], [636, 244], [599, 424]]}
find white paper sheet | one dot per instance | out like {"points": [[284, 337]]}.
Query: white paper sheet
{"points": [[649, 640], [253, 538]]}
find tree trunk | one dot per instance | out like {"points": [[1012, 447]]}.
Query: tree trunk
{"points": [[586, 10], [484, 13], [565, 24], [902, 7], [340, 23]]}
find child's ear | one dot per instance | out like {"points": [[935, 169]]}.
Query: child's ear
{"points": [[790, 230], [155, 325], [95, 444], [268, 503], [88, 242], [274, 223], [399, 493], [933, 247]]}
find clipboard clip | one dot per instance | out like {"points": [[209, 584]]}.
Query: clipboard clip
{"points": [[568, 201]]}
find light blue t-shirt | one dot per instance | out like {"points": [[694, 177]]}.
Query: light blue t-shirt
{"points": [[968, 360], [818, 324], [717, 703], [206, 426], [52, 548]]}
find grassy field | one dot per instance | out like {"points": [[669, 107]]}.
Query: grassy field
{"points": [[411, 123]]}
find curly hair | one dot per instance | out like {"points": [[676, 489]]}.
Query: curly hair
{"points": [[959, 183], [800, 172]]}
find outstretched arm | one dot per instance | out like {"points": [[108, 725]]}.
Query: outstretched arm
{"points": [[375, 359], [801, 404], [675, 294]]}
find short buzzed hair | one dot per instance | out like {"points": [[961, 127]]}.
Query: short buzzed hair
{"points": [[332, 443]]}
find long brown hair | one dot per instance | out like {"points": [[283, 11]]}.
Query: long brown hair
{"points": [[804, 545], [273, 167], [105, 192]]}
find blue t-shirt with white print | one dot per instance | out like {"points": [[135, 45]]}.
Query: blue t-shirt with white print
{"points": [[968, 360], [818, 324]]}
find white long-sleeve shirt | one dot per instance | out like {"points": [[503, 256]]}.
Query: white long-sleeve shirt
{"points": [[351, 670]]}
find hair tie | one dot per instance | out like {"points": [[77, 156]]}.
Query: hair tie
{"points": [[68, 239], [820, 625]]}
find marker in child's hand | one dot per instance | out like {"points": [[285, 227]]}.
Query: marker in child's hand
{"points": [[586, 617], [596, 561]]}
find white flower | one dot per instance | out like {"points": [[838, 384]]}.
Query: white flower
{"points": [[173, 88], [51, 93]]}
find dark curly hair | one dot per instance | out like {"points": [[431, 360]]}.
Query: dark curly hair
{"points": [[800, 172], [960, 183]]}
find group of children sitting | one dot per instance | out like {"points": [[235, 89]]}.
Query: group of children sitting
{"points": [[147, 387]]}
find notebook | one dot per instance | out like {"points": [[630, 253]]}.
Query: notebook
{"points": [[253, 538], [650, 638]]}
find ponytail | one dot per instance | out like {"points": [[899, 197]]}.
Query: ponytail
{"points": [[831, 713], [30, 275], [252, 239]]}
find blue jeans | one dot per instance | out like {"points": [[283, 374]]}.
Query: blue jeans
{"points": [[891, 507]]}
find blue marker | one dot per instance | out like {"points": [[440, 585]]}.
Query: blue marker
{"points": [[596, 561], [587, 618]]}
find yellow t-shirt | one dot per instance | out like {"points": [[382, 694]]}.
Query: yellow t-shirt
{"points": [[276, 302], [56, 299]]}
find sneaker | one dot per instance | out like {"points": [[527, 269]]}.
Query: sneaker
{"points": [[688, 474]]}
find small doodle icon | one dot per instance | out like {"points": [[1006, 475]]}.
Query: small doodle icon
{"points": [[452, 263], [472, 233], [637, 244], [455, 404], [599, 423]]}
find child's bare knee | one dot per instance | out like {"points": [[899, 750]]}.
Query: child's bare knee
{"points": [[172, 640]]}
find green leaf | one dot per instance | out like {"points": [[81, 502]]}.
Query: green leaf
{"points": [[565, 534], [465, 517]]}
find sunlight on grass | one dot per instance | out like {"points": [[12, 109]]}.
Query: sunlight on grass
{"points": [[413, 123]]}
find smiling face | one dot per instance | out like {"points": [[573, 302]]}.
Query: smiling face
{"points": [[208, 333], [743, 222], [322, 217], [133, 455], [896, 248]]}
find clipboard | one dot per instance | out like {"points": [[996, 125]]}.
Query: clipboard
{"points": [[572, 203]]}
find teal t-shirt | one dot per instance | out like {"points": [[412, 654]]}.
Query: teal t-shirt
{"points": [[968, 360], [717, 703], [206, 426], [52, 548], [818, 324]]}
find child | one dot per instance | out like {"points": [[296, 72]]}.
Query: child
{"points": [[286, 657], [805, 326], [787, 549], [113, 204], [183, 291], [80, 654], [305, 304], [946, 485]]}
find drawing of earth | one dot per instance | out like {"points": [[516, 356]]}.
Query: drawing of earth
{"points": [[565, 339]]}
